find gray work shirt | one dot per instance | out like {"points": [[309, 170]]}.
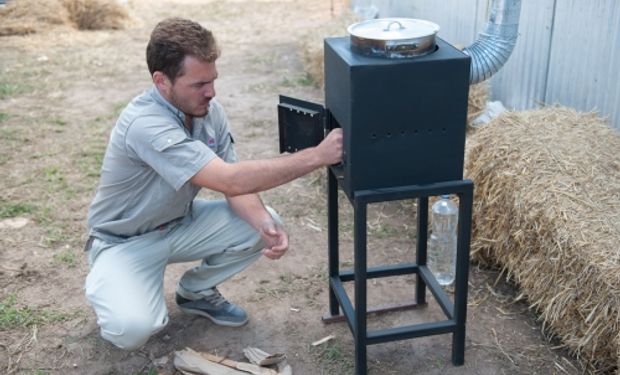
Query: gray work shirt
{"points": [[148, 163]]}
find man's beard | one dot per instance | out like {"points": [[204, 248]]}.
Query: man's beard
{"points": [[175, 102]]}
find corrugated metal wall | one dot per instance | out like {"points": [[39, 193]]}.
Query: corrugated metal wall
{"points": [[568, 51], [584, 64]]}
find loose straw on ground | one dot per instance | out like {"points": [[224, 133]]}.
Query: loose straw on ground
{"points": [[547, 211]]}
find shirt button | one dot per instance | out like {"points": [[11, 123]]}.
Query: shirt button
{"points": [[169, 140]]}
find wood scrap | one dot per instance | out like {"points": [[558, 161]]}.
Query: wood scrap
{"points": [[244, 366], [189, 361], [262, 358], [323, 340], [194, 362]]}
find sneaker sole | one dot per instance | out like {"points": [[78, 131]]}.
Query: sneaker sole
{"points": [[224, 323]]}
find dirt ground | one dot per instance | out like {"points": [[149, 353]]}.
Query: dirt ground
{"points": [[60, 92]]}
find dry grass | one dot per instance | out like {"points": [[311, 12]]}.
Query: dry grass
{"points": [[21, 17], [547, 211]]}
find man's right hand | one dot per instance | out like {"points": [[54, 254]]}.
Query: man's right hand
{"points": [[330, 149]]}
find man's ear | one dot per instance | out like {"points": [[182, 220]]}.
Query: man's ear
{"points": [[161, 81]]}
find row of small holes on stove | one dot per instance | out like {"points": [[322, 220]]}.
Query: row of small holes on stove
{"points": [[404, 133]]}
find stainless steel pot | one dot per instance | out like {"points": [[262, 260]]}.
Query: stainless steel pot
{"points": [[393, 37]]}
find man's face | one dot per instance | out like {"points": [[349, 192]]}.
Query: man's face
{"points": [[192, 91]]}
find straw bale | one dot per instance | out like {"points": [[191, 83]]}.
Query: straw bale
{"points": [[478, 97], [547, 211], [96, 14], [311, 45], [21, 17]]}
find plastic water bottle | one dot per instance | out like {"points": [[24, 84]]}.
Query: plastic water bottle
{"points": [[441, 250]]}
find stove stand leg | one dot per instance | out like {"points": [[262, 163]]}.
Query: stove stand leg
{"points": [[462, 271], [332, 238], [422, 234], [360, 267]]}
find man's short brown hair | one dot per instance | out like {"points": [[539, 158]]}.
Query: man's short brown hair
{"points": [[173, 39]]}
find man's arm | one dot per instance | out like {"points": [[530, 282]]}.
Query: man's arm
{"points": [[251, 209], [252, 176]]}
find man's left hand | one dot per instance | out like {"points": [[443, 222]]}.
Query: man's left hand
{"points": [[275, 239]]}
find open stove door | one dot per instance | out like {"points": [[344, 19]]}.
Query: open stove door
{"points": [[301, 124]]}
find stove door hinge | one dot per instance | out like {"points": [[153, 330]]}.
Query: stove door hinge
{"points": [[301, 124]]}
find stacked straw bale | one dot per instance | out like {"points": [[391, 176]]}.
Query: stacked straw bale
{"points": [[311, 45], [96, 14], [547, 211], [478, 97], [21, 17]]}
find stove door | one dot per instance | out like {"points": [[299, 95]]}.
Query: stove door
{"points": [[301, 124]]}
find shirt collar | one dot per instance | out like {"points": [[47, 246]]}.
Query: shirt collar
{"points": [[159, 99]]}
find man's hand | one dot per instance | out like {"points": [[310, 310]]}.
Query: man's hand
{"points": [[330, 149], [275, 239]]}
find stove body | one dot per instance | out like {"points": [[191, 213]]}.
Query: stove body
{"points": [[403, 120]]}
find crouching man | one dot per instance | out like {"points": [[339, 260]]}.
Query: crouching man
{"points": [[167, 144]]}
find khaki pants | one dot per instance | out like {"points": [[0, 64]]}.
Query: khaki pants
{"points": [[125, 282]]}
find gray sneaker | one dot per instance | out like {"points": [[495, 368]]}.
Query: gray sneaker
{"points": [[214, 307]]}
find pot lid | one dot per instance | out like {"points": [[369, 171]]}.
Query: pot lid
{"points": [[393, 29]]}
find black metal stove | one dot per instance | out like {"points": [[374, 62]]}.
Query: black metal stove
{"points": [[403, 124], [403, 120]]}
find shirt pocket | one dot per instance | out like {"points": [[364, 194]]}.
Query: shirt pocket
{"points": [[167, 139]]}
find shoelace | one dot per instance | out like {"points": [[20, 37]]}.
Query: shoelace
{"points": [[216, 298]]}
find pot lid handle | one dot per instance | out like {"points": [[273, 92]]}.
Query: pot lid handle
{"points": [[389, 26]]}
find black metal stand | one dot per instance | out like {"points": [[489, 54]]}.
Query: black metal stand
{"points": [[356, 315]]}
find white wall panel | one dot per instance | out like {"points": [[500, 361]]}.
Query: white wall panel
{"points": [[456, 18], [584, 69]]}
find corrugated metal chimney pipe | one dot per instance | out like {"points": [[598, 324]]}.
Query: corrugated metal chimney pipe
{"points": [[495, 44]]}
